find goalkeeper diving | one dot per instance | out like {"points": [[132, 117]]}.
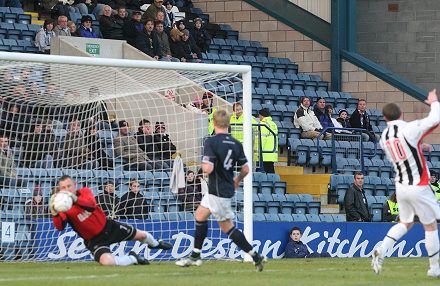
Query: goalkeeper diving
{"points": [[98, 231]]}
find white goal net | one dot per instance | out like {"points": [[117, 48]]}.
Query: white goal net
{"points": [[119, 128]]}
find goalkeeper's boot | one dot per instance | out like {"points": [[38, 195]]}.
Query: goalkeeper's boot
{"points": [[140, 259], [189, 261], [162, 245], [259, 262], [377, 260], [434, 273]]}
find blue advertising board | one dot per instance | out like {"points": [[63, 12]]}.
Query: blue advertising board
{"points": [[270, 239]]}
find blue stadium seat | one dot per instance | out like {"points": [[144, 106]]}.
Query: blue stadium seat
{"points": [[259, 217], [292, 198], [326, 218], [339, 218], [273, 207], [299, 217], [287, 207], [300, 207], [272, 217], [314, 207], [260, 207], [313, 218], [285, 217], [376, 212]]}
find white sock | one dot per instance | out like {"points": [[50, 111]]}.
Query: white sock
{"points": [[125, 260], [150, 240], [393, 235], [432, 247]]}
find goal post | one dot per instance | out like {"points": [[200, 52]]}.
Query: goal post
{"points": [[131, 90]]}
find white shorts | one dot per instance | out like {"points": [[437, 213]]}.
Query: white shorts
{"points": [[221, 208], [417, 200]]}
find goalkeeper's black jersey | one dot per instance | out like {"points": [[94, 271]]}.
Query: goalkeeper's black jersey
{"points": [[224, 152]]}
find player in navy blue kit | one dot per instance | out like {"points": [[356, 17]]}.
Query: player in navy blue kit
{"points": [[221, 154]]}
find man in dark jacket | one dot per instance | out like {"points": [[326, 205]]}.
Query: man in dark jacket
{"points": [[192, 52], [200, 35], [108, 200], [356, 205], [110, 28], [360, 119], [147, 41], [39, 148], [176, 45], [133, 204], [163, 143], [296, 249], [145, 139], [132, 28]]}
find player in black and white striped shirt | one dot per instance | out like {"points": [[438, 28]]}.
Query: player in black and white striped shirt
{"points": [[402, 144]]}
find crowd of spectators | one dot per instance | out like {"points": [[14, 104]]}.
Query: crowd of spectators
{"points": [[313, 121], [154, 32]]}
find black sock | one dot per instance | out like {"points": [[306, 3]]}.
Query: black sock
{"points": [[239, 239], [199, 237]]}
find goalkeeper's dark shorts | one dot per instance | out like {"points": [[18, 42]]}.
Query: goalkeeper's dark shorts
{"points": [[113, 232]]}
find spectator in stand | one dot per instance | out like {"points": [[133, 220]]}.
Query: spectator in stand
{"points": [[72, 28], [133, 204], [208, 108], [295, 248], [44, 36], [8, 172], [10, 3], [180, 25], [114, 125], [145, 138], [152, 11], [163, 144], [200, 35], [269, 141], [76, 153], [435, 185], [132, 28], [160, 16], [391, 209], [97, 152], [343, 118], [86, 30], [329, 113], [170, 14], [164, 43], [14, 122], [176, 45], [61, 29], [36, 208], [108, 200], [320, 113], [110, 28], [38, 148], [126, 148], [355, 201], [121, 16], [305, 119], [191, 51], [147, 41], [360, 119], [191, 195]]}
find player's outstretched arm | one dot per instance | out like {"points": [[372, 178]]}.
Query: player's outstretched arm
{"points": [[432, 97], [243, 173]]}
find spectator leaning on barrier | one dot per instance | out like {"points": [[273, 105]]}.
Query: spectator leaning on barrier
{"points": [[108, 200], [86, 30], [391, 209], [61, 29], [435, 185], [320, 113], [355, 201], [295, 248], [305, 119], [360, 119], [133, 27], [147, 41], [44, 36], [269, 141]]}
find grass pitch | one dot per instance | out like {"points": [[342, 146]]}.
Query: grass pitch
{"points": [[310, 272]]}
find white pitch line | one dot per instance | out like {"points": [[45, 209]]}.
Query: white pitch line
{"points": [[57, 278]]}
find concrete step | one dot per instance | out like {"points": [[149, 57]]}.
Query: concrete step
{"points": [[288, 170], [302, 179], [330, 209], [315, 190]]}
